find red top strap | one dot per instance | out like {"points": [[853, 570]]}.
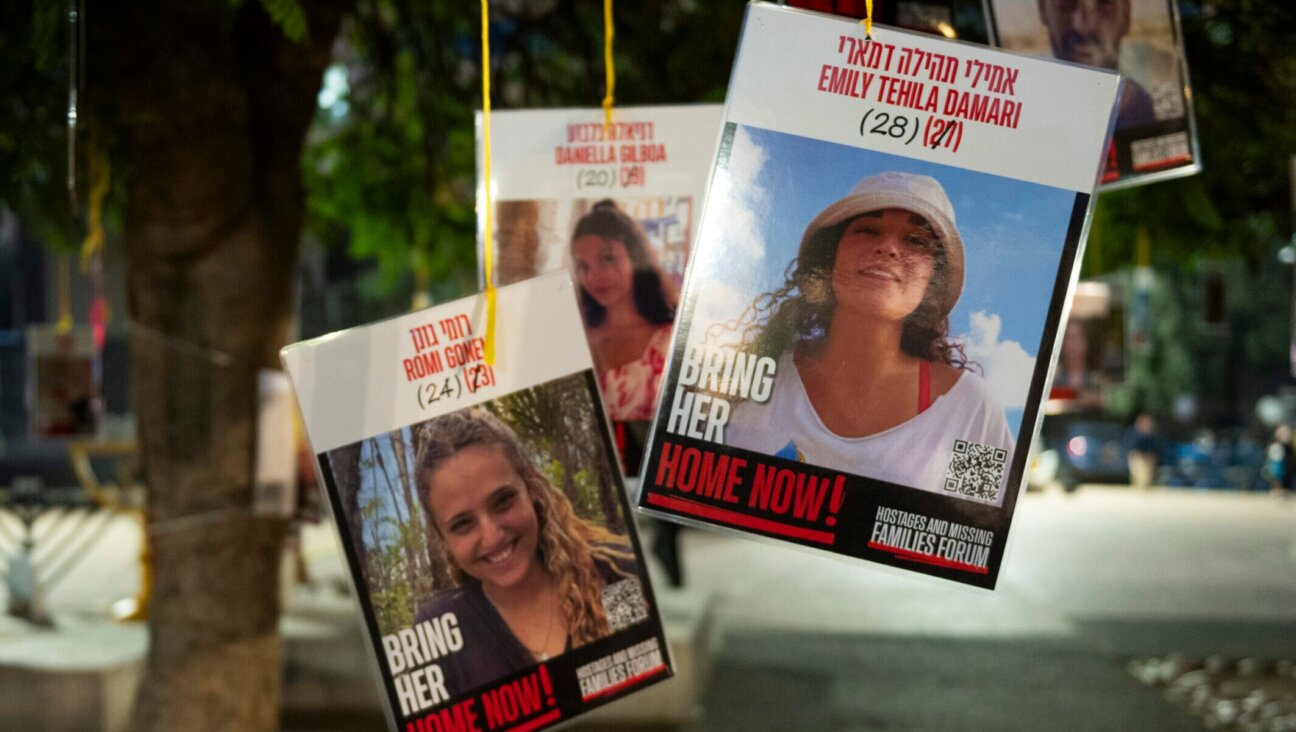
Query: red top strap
{"points": [[924, 385]]}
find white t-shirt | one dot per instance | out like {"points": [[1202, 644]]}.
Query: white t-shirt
{"points": [[917, 453]]}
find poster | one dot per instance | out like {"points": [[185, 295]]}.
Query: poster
{"points": [[1156, 136], [926, 16], [62, 382], [1091, 356], [889, 241], [275, 485], [618, 207], [489, 542]]}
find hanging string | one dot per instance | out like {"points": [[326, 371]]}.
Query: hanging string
{"points": [[219, 359], [92, 246], [868, 20], [75, 38], [64, 325], [608, 32], [100, 176], [489, 234], [422, 282]]}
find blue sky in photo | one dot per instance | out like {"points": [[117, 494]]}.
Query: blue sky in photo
{"points": [[1013, 234], [1012, 231]]}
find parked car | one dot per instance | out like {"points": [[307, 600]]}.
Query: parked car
{"points": [[1080, 448]]}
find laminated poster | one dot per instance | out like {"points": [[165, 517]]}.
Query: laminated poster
{"points": [[491, 547], [870, 315], [618, 206], [62, 382], [1156, 134]]}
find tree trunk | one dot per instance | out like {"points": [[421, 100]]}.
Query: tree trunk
{"points": [[518, 240], [402, 520], [413, 534], [380, 467], [440, 574], [345, 464], [608, 502], [213, 106]]}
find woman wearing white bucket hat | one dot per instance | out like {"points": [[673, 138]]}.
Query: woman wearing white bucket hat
{"points": [[868, 379]]}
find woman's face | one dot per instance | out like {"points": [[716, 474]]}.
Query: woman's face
{"points": [[1075, 347], [603, 268], [485, 516], [884, 261]]}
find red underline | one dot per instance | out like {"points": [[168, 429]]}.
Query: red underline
{"points": [[1160, 164], [926, 559], [733, 518], [633, 680], [552, 715]]}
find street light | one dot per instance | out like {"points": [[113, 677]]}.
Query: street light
{"points": [[1287, 255]]}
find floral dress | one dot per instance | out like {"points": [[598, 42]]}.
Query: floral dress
{"points": [[630, 390]]}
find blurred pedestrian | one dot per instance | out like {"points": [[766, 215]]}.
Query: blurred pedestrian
{"points": [[1141, 447], [1281, 461]]}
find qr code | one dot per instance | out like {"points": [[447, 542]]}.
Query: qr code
{"points": [[624, 603], [976, 470]]}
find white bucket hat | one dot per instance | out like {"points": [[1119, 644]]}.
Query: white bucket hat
{"points": [[920, 194]]}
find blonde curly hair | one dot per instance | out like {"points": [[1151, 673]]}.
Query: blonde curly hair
{"points": [[569, 547]]}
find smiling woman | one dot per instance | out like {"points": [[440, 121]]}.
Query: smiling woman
{"points": [[868, 379], [530, 574], [628, 304]]}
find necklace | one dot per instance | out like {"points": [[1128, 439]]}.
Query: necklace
{"points": [[541, 654]]}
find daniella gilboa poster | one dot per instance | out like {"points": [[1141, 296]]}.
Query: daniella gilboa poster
{"points": [[618, 206], [489, 541], [870, 315]]}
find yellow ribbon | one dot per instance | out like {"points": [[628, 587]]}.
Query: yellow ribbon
{"points": [[868, 20], [64, 325], [100, 175], [608, 33], [92, 246], [488, 256]]}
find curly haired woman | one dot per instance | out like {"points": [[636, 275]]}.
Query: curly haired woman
{"points": [[529, 572], [868, 379]]}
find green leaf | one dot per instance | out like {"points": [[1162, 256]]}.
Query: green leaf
{"points": [[290, 17]]}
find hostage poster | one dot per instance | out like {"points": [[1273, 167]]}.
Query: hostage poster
{"points": [[62, 382], [1155, 136], [618, 206], [498, 571], [870, 316]]}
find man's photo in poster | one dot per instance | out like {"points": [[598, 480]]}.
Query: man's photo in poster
{"points": [[627, 260], [902, 303], [1137, 38], [493, 534]]}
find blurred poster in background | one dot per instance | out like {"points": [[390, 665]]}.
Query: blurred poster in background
{"points": [[618, 206], [62, 381], [1155, 136], [925, 16], [1091, 357]]}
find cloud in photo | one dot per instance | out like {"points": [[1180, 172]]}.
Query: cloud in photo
{"points": [[1006, 366], [734, 242]]}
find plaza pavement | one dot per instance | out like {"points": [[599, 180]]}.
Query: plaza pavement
{"points": [[1092, 581], [795, 641]]}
